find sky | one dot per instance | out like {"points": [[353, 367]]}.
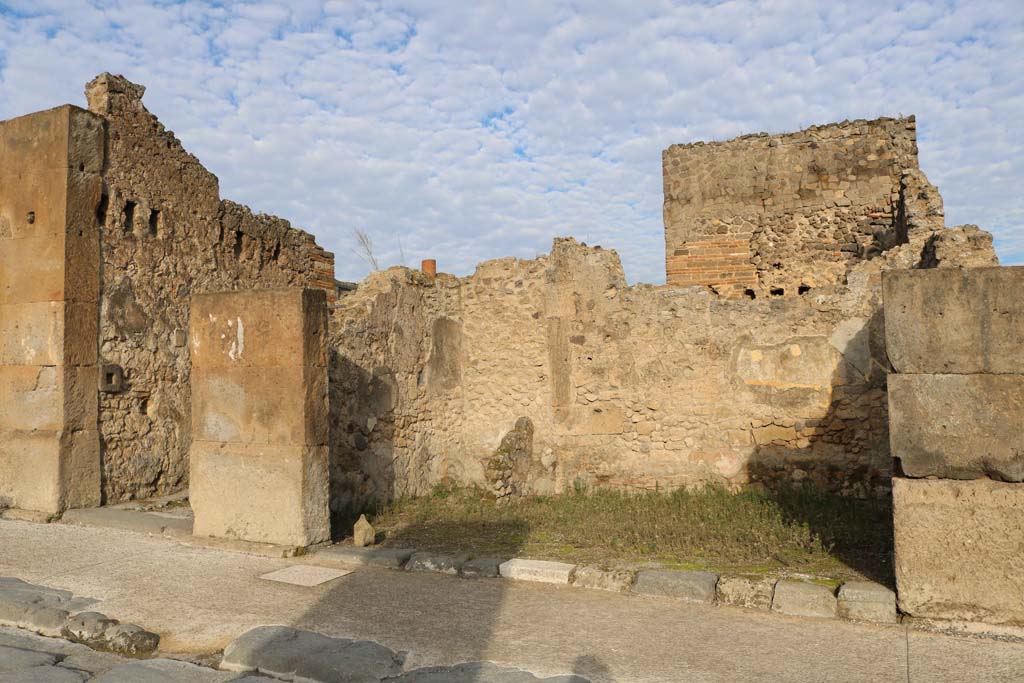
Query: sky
{"points": [[465, 131]]}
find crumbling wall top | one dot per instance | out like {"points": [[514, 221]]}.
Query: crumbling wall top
{"points": [[109, 92]]}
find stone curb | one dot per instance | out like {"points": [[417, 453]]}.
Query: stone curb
{"points": [[854, 600], [57, 614]]}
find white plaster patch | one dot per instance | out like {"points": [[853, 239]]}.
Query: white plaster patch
{"points": [[238, 345], [305, 575]]}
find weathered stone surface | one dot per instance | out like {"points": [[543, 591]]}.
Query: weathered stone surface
{"points": [[867, 601], [49, 674], [305, 575], [129, 520], [540, 571], [481, 567], [164, 671], [254, 492], [36, 608], [744, 592], [958, 426], [435, 562], [804, 599], [690, 586], [289, 653], [129, 639], [363, 533], [599, 579], [958, 549], [508, 469], [478, 672], [390, 558], [14, 659], [953, 321], [87, 627], [49, 285]]}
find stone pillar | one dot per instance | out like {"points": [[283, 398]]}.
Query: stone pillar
{"points": [[258, 459], [956, 339], [50, 187]]}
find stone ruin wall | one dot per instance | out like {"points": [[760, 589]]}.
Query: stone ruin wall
{"points": [[644, 387], [166, 234], [770, 215], [657, 387]]}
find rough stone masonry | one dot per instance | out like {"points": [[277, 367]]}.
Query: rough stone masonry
{"points": [[610, 384]]}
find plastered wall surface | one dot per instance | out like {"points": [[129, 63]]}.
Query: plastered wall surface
{"points": [[50, 165]]}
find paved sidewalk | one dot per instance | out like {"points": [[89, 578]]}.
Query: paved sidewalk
{"points": [[199, 599]]}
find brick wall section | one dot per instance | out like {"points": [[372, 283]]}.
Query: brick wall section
{"points": [[809, 205], [723, 263]]}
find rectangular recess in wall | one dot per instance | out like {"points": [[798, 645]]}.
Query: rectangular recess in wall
{"points": [[129, 216]]}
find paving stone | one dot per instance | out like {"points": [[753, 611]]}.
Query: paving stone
{"points": [[477, 672], [391, 558], [804, 599], [690, 586], [32, 607], [127, 520], [163, 671], [540, 571], [305, 575], [289, 653], [481, 567], [867, 601], [598, 579], [434, 562], [47, 674], [15, 659], [743, 592]]}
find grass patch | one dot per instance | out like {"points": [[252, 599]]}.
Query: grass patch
{"points": [[749, 532]]}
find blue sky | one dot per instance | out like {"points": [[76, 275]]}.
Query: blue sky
{"points": [[468, 131]]}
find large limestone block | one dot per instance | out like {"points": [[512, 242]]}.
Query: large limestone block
{"points": [[30, 470], [274, 405], [958, 426], [264, 328], [960, 549], [955, 321], [34, 397], [263, 493], [48, 333]]}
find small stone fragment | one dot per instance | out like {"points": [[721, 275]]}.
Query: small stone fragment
{"points": [[363, 534]]}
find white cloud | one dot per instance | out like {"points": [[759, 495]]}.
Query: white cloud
{"points": [[477, 131]]}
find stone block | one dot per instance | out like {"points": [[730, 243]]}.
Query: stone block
{"points": [[274, 405], [541, 571], [958, 426], [481, 567], [606, 418], [804, 599], [388, 558], [691, 586], [30, 470], [262, 328], [263, 493], [435, 562], [599, 579], [291, 653], [955, 321], [32, 269], [867, 601], [958, 550], [33, 333], [743, 592]]}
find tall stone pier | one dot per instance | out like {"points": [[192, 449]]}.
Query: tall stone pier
{"points": [[956, 340], [258, 459], [50, 187]]}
